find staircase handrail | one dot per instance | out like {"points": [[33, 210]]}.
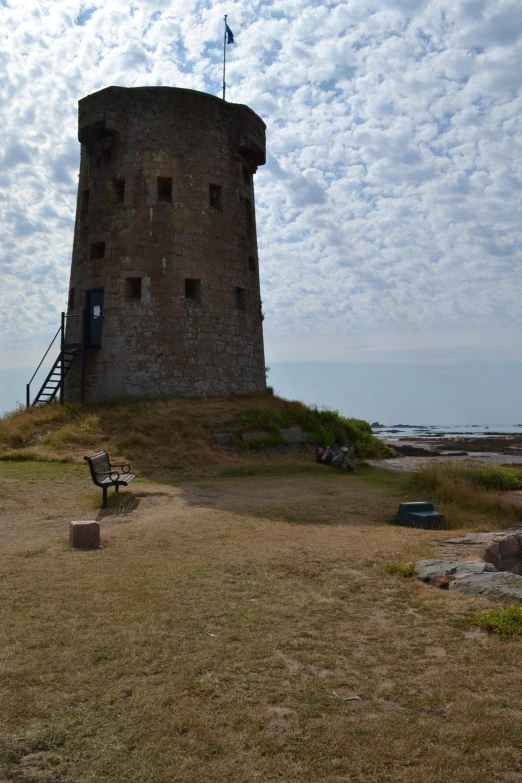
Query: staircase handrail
{"points": [[60, 329], [45, 354]]}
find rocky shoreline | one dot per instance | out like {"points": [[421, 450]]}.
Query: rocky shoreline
{"points": [[415, 452]]}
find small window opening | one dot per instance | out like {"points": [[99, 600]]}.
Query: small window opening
{"points": [[85, 203], [70, 303], [248, 212], [165, 190], [106, 155], [98, 250], [241, 296], [119, 190], [252, 263], [133, 287], [193, 290], [216, 197], [247, 176]]}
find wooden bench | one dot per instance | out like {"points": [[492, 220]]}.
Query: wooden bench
{"points": [[104, 476]]}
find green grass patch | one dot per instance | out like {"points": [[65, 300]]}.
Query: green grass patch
{"points": [[504, 622], [453, 489], [406, 570], [494, 477], [324, 427]]}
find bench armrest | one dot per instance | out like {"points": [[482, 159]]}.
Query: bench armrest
{"points": [[125, 468]]}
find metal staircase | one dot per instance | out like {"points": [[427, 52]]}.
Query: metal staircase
{"points": [[54, 382]]}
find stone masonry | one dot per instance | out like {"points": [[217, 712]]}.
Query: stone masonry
{"points": [[165, 264]]}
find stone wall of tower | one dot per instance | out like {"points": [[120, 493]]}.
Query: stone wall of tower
{"points": [[165, 228]]}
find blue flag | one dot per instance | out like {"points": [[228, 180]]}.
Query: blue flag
{"points": [[230, 34]]}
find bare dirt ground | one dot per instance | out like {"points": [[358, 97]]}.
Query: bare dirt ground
{"points": [[224, 629]]}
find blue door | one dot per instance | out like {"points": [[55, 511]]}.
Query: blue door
{"points": [[94, 317]]}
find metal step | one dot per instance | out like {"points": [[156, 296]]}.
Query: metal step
{"points": [[60, 368]]}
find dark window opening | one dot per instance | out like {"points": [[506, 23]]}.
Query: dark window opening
{"points": [[119, 190], [248, 212], [241, 297], [98, 250], [70, 303], [252, 263], [165, 190], [102, 133], [193, 290], [246, 175], [85, 203], [106, 155], [216, 197], [133, 287]]}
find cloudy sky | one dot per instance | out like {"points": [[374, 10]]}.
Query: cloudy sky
{"points": [[389, 211]]}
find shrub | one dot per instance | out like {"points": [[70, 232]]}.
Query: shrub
{"points": [[494, 478], [406, 570], [325, 427], [505, 622]]}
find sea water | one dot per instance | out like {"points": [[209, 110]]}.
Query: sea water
{"points": [[417, 432]]}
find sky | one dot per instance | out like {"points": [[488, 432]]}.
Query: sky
{"points": [[388, 212]]}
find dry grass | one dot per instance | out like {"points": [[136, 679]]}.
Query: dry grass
{"points": [[159, 437], [458, 493], [217, 633]]}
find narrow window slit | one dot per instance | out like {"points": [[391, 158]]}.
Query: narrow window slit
{"points": [[165, 190], [216, 197], [133, 287], [241, 297], [97, 250], [193, 289], [252, 264], [119, 190]]}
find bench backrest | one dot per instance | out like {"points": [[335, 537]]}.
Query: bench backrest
{"points": [[99, 466]]}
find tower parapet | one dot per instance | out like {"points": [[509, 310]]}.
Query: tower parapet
{"points": [[165, 251]]}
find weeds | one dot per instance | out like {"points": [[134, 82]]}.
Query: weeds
{"points": [[324, 427], [456, 489], [406, 570], [504, 622], [157, 434]]}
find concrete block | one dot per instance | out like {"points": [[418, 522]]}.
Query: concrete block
{"points": [[84, 535]]}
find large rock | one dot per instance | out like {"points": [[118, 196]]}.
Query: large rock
{"points": [[477, 579], [430, 571], [505, 552], [500, 587]]}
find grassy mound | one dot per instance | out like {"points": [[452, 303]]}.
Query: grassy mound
{"points": [[177, 434]]}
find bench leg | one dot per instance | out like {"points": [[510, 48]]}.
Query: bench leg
{"points": [[104, 490]]}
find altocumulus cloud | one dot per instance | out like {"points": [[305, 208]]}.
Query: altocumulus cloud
{"points": [[389, 209]]}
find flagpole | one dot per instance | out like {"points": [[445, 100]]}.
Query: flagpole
{"points": [[224, 55]]}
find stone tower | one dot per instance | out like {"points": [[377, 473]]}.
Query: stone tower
{"points": [[164, 289]]}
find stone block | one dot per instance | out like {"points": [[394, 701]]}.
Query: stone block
{"points": [[510, 548], [84, 535], [248, 436], [294, 435]]}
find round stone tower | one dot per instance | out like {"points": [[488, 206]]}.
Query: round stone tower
{"points": [[164, 296]]}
